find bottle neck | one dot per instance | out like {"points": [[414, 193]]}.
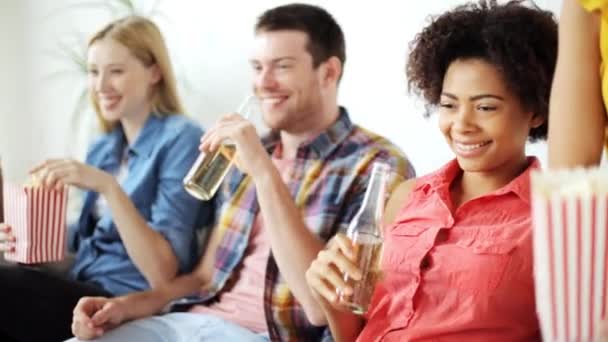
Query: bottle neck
{"points": [[373, 202]]}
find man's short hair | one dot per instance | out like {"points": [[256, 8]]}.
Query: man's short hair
{"points": [[325, 37]]}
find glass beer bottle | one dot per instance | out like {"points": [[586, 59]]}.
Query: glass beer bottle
{"points": [[365, 232], [207, 173], [209, 169]]}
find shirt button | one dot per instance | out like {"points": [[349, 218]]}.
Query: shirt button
{"points": [[425, 263], [442, 236]]}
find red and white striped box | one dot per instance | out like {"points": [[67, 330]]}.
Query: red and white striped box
{"points": [[37, 217], [570, 215]]}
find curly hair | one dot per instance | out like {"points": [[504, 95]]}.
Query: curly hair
{"points": [[520, 41]]}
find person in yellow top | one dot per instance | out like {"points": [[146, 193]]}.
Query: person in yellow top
{"points": [[579, 95], [577, 110]]}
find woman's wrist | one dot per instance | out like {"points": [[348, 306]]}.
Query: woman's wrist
{"points": [[109, 186]]}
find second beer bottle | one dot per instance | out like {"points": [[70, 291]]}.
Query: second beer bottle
{"points": [[365, 233]]}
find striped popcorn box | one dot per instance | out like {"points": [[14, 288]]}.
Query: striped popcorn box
{"points": [[570, 213], [37, 218]]}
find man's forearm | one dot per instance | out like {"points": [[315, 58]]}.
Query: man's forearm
{"points": [[294, 247], [151, 302]]}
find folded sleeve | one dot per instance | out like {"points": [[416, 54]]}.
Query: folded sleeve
{"points": [[174, 213]]}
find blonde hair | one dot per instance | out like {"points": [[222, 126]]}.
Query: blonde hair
{"points": [[145, 41]]}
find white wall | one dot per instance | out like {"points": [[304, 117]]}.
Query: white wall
{"points": [[209, 44], [14, 114]]}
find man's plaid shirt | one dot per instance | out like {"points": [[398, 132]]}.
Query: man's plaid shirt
{"points": [[328, 183]]}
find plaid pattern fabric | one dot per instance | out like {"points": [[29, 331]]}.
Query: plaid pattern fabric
{"points": [[328, 183]]}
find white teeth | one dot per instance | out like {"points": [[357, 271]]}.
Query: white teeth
{"points": [[470, 147], [273, 100]]}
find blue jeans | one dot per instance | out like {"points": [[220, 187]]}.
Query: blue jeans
{"points": [[181, 327]]}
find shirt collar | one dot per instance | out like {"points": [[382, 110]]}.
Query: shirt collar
{"points": [[521, 184], [144, 142], [444, 177], [113, 147], [116, 142], [323, 144]]}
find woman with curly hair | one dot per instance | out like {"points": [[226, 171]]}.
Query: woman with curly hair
{"points": [[457, 262]]}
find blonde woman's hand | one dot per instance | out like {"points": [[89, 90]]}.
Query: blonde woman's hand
{"points": [[56, 173], [325, 276]]}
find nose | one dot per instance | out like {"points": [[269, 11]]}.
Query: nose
{"points": [[266, 79], [101, 82], [464, 120]]}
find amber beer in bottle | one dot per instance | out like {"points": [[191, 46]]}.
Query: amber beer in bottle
{"points": [[365, 232], [205, 177], [209, 170]]}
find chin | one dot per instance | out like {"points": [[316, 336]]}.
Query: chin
{"points": [[473, 165], [274, 121], [276, 126], [111, 116]]}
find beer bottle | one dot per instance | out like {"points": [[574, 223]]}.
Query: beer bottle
{"points": [[365, 233], [208, 171]]}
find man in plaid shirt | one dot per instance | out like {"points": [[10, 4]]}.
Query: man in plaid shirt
{"points": [[293, 190]]}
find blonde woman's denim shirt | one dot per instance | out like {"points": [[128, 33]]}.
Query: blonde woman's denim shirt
{"points": [[157, 162]]}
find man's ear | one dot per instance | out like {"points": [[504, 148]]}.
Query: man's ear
{"points": [[332, 70]]}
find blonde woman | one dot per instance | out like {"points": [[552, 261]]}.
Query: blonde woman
{"points": [[136, 228]]}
